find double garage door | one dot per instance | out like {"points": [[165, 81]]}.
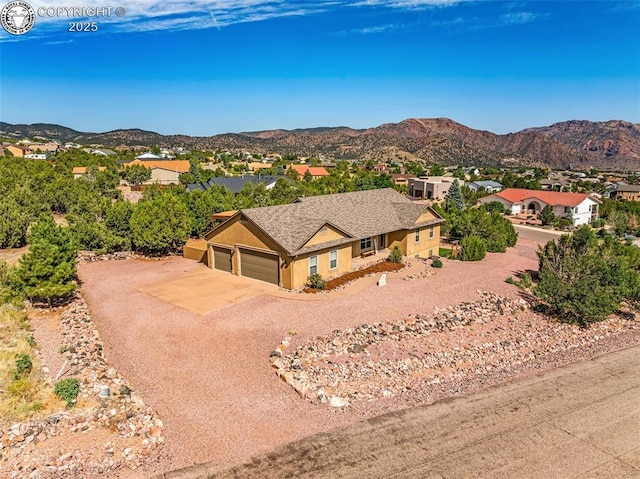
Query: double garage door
{"points": [[253, 264]]}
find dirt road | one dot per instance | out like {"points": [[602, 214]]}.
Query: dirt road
{"points": [[579, 421]]}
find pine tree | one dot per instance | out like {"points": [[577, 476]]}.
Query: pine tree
{"points": [[454, 198]]}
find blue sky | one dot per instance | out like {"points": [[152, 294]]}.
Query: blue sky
{"points": [[202, 68]]}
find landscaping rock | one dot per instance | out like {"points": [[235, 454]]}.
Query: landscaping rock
{"points": [[130, 419], [466, 342]]}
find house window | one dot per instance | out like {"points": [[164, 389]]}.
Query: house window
{"points": [[431, 233], [365, 243], [313, 265], [333, 259], [417, 236]]}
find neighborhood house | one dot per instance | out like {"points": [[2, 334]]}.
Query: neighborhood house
{"points": [[163, 172], [580, 208], [432, 187], [286, 244]]}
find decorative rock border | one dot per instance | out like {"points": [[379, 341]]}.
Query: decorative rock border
{"points": [[383, 360], [122, 411]]}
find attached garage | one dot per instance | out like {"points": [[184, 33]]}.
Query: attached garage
{"points": [[222, 258], [259, 265]]}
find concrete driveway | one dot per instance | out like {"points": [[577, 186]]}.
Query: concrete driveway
{"points": [[205, 290]]}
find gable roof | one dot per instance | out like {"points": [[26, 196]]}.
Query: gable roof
{"points": [[148, 156], [314, 170], [486, 184], [234, 183], [181, 166], [104, 151], [518, 195], [360, 214]]}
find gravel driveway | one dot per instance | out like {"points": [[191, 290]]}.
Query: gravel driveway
{"points": [[209, 376]]}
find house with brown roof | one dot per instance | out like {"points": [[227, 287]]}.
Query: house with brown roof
{"points": [[582, 208], [626, 192], [315, 171], [286, 244], [400, 179], [45, 147], [163, 172], [18, 150]]}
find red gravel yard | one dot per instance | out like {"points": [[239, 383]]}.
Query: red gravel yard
{"points": [[210, 376]]}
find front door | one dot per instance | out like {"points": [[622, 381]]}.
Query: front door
{"points": [[381, 244]]}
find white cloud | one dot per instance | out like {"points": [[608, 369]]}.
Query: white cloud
{"points": [[158, 15], [519, 18]]}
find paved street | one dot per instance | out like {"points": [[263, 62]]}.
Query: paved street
{"points": [[536, 234], [580, 421]]}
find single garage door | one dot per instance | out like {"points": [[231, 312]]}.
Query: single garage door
{"points": [[259, 265], [222, 259]]}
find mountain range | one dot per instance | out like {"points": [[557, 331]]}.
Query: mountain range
{"points": [[612, 144]]}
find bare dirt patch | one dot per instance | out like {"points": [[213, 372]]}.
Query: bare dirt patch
{"points": [[12, 255]]}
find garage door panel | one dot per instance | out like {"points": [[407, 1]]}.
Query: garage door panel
{"points": [[258, 265], [222, 259]]}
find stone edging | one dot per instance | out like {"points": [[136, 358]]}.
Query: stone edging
{"points": [[123, 411]]}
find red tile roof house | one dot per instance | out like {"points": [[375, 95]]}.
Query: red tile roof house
{"points": [[582, 207]]}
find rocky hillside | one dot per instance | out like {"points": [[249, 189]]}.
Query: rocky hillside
{"points": [[613, 139], [613, 144]]}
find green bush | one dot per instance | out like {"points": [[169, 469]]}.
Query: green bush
{"points": [[316, 281], [495, 206], [436, 263], [546, 215], [510, 280], [67, 390], [473, 248], [395, 256], [583, 279], [23, 366], [496, 244], [525, 280], [597, 223]]}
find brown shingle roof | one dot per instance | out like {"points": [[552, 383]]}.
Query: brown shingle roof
{"points": [[359, 214]]}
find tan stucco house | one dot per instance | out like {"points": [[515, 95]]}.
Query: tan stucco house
{"points": [[285, 244]]}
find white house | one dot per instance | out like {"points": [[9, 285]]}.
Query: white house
{"points": [[582, 208]]}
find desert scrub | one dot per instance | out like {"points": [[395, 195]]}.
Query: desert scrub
{"points": [[67, 390], [24, 365], [23, 390], [436, 263]]}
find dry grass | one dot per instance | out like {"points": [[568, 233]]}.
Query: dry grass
{"points": [[29, 394]]}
